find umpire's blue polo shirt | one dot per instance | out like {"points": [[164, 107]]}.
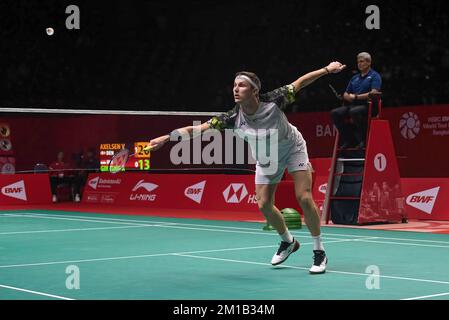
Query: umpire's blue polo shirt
{"points": [[360, 85]]}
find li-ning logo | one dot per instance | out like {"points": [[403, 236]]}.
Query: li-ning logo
{"points": [[409, 125], [15, 190], [146, 185], [424, 200], [235, 193], [195, 192]]}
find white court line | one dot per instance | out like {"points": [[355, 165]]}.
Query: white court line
{"points": [[303, 268], [404, 243], [430, 296], [98, 219], [238, 228], [80, 219], [176, 226], [9, 215], [153, 255], [35, 292], [67, 230], [189, 254]]}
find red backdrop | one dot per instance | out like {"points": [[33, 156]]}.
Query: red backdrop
{"points": [[420, 135]]}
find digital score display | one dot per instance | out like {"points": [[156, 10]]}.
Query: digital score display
{"points": [[139, 159]]}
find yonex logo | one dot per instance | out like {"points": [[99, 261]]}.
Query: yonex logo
{"points": [[409, 125], [195, 192], [15, 190], [424, 200], [148, 186], [235, 193]]}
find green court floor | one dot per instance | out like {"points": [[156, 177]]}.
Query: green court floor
{"points": [[44, 254]]}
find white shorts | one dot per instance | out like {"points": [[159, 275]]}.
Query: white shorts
{"points": [[294, 159]]}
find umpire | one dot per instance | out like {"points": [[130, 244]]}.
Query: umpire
{"points": [[360, 88]]}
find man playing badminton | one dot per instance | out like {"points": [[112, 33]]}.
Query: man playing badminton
{"points": [[254, 111]]}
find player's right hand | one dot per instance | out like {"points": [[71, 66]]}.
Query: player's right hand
{"points": [[159, 142]]}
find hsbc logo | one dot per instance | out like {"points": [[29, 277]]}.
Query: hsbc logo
{"points": [[195, 192], [424, 200], [15, 190], [409, 125], [236, 192]]}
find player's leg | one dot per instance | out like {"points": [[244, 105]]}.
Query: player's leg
{"points": [[303, 191], [265, 201], [265, 195], [301, 171]]}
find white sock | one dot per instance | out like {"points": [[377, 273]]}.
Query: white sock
{"points": [[287, 237], [317, 244]]}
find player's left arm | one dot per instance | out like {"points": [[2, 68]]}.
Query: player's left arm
{"points": [[286, 95], [308, 78]]}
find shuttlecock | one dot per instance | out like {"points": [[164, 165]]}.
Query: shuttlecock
{"points": [[50, 31]]}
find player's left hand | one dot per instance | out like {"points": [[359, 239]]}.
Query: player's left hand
{"points": [[335, 67]]}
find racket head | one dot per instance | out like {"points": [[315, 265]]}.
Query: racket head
{"points": [[118, 161]]}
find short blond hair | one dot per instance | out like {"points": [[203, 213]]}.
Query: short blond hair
{"points": [[252, 76]]}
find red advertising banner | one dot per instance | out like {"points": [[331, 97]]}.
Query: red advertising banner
{"points": [[421, 138], [420, 135], [381, 189], [25, 189], [426, 199], [230, 193]]}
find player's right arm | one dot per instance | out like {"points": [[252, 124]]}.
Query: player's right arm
{"points": [[220, 122], [158, 142]]}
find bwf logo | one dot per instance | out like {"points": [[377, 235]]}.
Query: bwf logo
{"points": [[15, 190], [424, 200], [195, 192]]}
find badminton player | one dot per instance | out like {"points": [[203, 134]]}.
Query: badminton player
{"points": [[254, 111]]}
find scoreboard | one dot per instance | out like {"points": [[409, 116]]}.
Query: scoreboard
{"points": [[140, 161]]}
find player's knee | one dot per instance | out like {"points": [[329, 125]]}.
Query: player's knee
{"points": [[265, 206], [305, 199]]}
